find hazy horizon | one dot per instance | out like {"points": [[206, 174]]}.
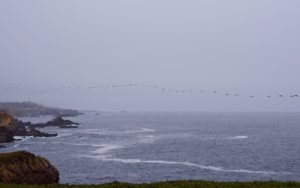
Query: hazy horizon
{"points": [[250, 48]]}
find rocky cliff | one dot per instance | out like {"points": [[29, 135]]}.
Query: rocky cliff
{"points": [[25, 168], [6, 128], [5, 119], [10, 127]]}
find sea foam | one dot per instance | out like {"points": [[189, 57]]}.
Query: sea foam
{"points": [[189, 164]]}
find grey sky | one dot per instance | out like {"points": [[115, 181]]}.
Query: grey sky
{"points": [[249, 47]]}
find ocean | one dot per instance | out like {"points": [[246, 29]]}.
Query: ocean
{"points": [[159, 146]]}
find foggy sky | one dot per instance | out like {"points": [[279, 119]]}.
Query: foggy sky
{"points": [[250, 47]]}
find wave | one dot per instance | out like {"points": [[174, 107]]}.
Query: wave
{"points": [[22, 138], [142, 130], [105, 132], [16, 145], [239, 137], [101, 148], [63, 135], [105, 148], [189, 164]]}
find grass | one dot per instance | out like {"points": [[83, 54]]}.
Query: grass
{"points": [[171, 184]]}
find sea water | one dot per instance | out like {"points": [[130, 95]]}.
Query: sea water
{"points": [[159, 146]]}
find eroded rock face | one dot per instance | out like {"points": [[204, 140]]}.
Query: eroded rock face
{"points": [[25, 168], [5, 119], [6, 127]]}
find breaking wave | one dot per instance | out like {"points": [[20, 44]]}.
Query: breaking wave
{"points": [[238, 137]]}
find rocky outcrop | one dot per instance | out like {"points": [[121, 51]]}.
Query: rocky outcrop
{"points": [[5, 119], [6, 128], [6, 135], [10, 127], [62, 123], [25, 168]]}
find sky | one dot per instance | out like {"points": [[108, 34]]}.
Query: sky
{"points": [[245, 47]]}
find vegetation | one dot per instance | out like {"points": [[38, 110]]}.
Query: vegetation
{"points": [[6, 158], [171, 184]]}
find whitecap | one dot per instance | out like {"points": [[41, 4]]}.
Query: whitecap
{"points": [[22, 138], [62, 135], [239, 137], [105, 132], [101, 148], [106, 148], [16, 145], [142, 130]]}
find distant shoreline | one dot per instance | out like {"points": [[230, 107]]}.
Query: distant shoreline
{"points": [[30, 109]]}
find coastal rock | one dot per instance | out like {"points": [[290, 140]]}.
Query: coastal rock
{"points": [[6, 135], [5, 119], [6, 128], [62, 123], [10, 127], [37, 133], [25, 168]]}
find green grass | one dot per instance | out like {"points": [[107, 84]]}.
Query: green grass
{"points": [[171, 184]]}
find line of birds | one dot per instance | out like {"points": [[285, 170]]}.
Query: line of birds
{"points": [[39, 92]]}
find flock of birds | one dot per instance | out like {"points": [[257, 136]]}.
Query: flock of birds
{"points": [[163, 89]]}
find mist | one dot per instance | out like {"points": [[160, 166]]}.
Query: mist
{"points": [[249, 48]]}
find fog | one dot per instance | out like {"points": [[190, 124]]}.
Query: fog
{"points": [[245, 47]]}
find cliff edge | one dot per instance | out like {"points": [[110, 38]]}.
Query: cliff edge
{"points": [[22, 167]]}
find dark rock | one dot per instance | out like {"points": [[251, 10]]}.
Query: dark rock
{"points": [[37, 133], [1, 146], [6, 135], [10, 127], [59, 121], [25, 168]]}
